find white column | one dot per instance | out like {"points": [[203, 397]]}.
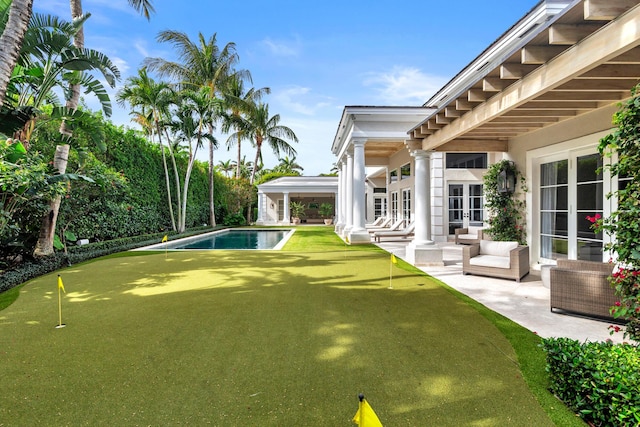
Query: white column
{"points": [[422, 201], [261, 208], [348, 212], [422, 250], [359, 190], [338, 208], [358, 233], [287, 215]]}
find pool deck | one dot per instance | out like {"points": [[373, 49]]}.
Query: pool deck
{"points": [[526, 303]]}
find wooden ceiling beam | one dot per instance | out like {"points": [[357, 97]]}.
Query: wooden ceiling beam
{"points": [[631, 56], [537, 55], [492, 84], [533, 120], [442, 120], [431, 124], [425, 130], [598, 85], [558, 105], [463, 105], [606, 10], [570, 34], [452, 112], [539, 113], [476, 95], [515, 71], [613, 71], [582, 96]]}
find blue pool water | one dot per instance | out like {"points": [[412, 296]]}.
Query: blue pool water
{"points": [[230, 239]]}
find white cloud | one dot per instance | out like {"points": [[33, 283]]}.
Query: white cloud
{"points": [[283, 48], [300, 100], [404, 85]]}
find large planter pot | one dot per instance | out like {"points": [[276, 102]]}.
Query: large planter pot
{"points": [[328, 221], [295, 221]]}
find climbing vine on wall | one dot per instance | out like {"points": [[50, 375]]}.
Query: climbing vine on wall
{"points": [[506, 209], [623, 144]]}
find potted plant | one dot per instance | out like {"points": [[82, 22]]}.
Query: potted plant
{"points": [[326, 212], [297, 211]]}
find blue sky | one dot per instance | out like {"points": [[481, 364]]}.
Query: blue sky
{"points": [[316, 57]]}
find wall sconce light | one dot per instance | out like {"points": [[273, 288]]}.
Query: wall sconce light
{"points": [[507, 180], [272, 205]]}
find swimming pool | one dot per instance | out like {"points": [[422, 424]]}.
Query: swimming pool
{"points": [[237, 238]]}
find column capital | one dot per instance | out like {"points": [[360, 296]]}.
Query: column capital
{"points": [[359, 141], [413, 144]]}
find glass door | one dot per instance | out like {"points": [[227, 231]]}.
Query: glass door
{"points": [[466, 206]]}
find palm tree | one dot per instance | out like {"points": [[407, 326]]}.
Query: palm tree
{"points": [[261, 128], [202, 64], [192, 118], [289, 166], [239, 103], [14, 27], [225, 167], [142, 91]]}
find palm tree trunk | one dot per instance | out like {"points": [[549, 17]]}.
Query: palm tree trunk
{"points": [[176, 175], [185, 191], [239, 158], [212, 211], [11, 40], [167, 181], [255, 163], [44, 246]]}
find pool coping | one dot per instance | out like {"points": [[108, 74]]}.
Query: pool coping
{"points": [[162, 246]]}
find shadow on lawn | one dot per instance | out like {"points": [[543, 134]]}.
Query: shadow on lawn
{"points": [[265, 338]]}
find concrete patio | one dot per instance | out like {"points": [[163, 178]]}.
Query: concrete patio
{"points": [[526, 303]]}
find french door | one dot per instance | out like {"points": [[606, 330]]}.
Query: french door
{"points": [[571, 189], [466, 205]]}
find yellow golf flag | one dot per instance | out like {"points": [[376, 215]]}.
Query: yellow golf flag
{"points": [[393, 259], [165, 238], [60, 285], [365, 417]]}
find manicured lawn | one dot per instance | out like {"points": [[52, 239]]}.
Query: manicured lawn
{"points": [[258, 338]]}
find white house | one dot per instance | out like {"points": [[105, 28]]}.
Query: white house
{"points": [[542, 95], [274, 198]]}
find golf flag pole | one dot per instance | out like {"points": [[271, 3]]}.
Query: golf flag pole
{"points": [[366, 417], [60, 288], [394, 260], [164, 240]]}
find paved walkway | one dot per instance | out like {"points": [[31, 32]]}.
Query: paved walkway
{"points": [[526, 303]]}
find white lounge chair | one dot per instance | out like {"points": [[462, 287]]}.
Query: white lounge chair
{"points": [[395, 226], [404, 233], [377, 222], [382, 224]]}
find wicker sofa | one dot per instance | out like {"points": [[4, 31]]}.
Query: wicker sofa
{"points": [[506, 260], [468, 235], [582, 287]]}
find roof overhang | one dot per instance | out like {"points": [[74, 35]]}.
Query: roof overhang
{"points": [[301, 184], [384, 130], [583, 57]]}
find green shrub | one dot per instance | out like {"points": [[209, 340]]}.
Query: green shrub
{"points": [[599, 381]]}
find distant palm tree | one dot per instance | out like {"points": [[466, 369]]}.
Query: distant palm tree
{"points": [[13, 27], [202, 64], [239, 103], [289, 166], [226, 167], [262, 128], [154, 100]]}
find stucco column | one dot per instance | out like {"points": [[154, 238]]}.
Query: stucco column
{"points": [[287, 216], [339, 225], [422, 198], [422, 250], [348, 211], [261, 208], [358, 233]]}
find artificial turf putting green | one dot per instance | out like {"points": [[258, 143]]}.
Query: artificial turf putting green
{"points": [[259, 338]]}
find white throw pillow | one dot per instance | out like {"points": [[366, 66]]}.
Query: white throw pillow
{"points": [[489, 247]]}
